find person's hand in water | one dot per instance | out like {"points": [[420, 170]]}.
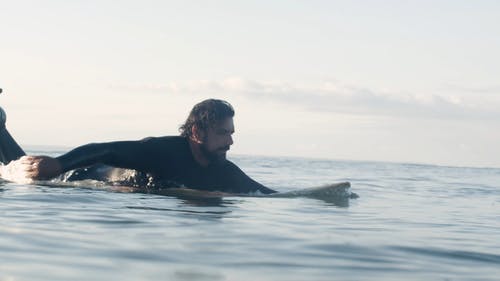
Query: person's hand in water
{"points": [[39, 167]]}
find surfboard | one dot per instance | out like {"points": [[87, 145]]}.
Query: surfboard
{"points": [[336, 190], [335, 193], [338, 194]]}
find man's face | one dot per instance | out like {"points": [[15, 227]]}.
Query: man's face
{"points": [[218, 139]]}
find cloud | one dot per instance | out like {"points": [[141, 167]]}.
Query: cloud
{"points": [[334, 96]]}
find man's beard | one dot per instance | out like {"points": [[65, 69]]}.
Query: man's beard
{"points": [[216, 156]]}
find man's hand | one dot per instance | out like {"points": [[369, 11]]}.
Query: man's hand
{"points": [[40, 167]]}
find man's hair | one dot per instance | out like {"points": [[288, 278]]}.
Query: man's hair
{"points": [[206, 114]]}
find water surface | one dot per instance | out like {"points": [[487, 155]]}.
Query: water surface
{"points": [[411, 222]]}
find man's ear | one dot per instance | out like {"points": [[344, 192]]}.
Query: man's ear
{"points": [[197, 135]]}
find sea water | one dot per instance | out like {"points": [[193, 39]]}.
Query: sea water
{"points": [[410, 222]]}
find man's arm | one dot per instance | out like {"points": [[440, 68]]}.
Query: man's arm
{"points": [[240, 181], [122, 154]]}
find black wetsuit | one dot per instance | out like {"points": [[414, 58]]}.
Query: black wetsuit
{"points": [[9, 149], [168, 160]]}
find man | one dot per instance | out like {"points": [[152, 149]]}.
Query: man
{"points": [[195, 159]]}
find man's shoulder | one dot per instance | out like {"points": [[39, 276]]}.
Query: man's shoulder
{"points": [[165, 140], [165, 144]]}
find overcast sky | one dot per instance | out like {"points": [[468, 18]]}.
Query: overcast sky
{"points": [[407, 81]]}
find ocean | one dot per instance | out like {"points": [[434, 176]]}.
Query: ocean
{"points": [[410, 222]]}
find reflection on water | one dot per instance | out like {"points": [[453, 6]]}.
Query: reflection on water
{"points": [[217, 213]]}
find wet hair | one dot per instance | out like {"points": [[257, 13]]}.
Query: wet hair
{"points": [[206, 114]]}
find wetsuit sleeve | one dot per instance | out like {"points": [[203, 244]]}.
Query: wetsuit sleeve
{"points": [[121, 154], [244, 184]]}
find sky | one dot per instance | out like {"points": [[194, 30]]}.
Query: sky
{"points": [[399, 81]]}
